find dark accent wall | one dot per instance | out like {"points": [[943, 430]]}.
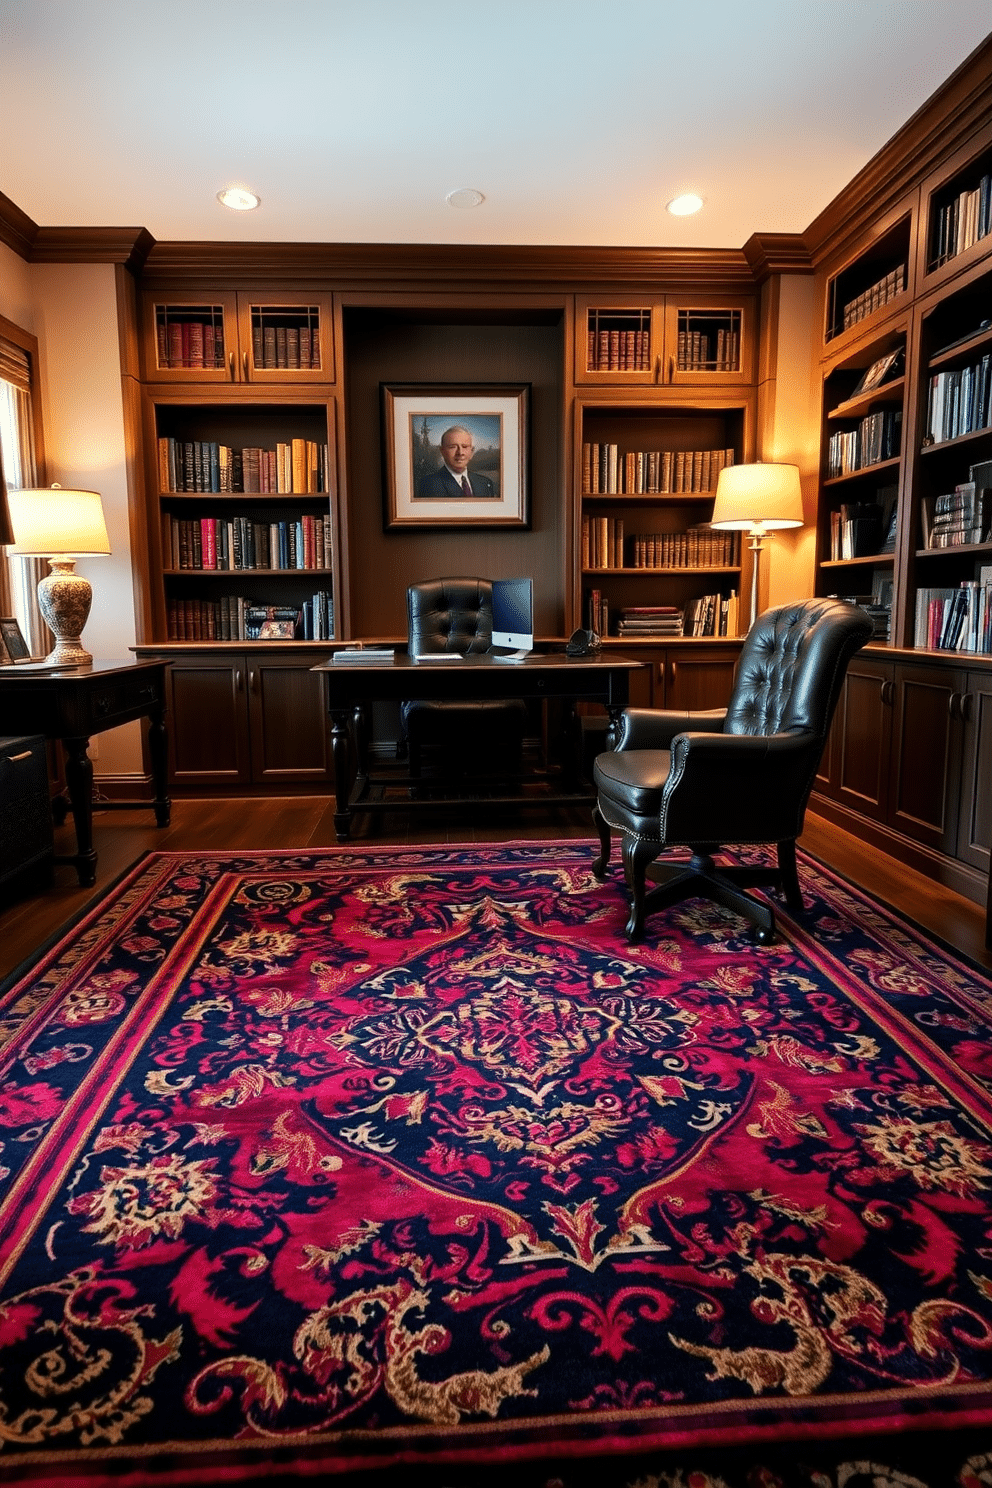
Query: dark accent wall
{"points": [[382, 347]]}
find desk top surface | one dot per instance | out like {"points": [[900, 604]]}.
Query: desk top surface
{"points": [[25, 675], [536, 661]]}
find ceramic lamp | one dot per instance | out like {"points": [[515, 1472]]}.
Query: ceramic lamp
{"points": [[61, 525]]}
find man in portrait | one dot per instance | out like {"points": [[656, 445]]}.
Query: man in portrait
{"points": [[452, 478]]}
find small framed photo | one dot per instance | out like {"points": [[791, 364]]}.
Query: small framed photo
{"points": [[13, 642], [882, 370], [456, 456], [277, 630]]}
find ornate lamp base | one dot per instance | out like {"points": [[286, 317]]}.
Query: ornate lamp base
{"points": [[64, 598]]}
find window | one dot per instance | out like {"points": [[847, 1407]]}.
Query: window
{"points": [[20, 438]]}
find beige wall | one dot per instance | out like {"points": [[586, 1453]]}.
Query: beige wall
{"points": [[72, 309], [789, 432]]}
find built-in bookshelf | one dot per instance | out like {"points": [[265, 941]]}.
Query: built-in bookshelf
{"points": [[876, 278], [960, 211], [951, 568], [244, 542], [237, 337], [665, 341], [863, 400], [651, 566]]}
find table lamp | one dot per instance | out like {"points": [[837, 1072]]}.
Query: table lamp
{"points": [[757, 499], [61, 525]]}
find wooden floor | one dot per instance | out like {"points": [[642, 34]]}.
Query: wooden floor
{"points": [[307, 821]]}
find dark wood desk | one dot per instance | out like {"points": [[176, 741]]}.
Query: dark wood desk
{"points": [[600, 679], [72, 706]]}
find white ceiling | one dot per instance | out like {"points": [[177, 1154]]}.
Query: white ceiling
{"points": [[352, 119]]}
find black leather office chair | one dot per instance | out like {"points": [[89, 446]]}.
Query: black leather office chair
{"points": [[737, 775], [472, 736]]}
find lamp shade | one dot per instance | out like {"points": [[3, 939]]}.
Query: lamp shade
{"points": [[50, 520], [749, 495]]}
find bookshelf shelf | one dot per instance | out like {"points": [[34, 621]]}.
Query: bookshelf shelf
{"points": [[869, 560], [865, 472]]}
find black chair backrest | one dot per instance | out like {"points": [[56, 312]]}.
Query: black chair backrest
{"points": [[449, 615], [792, 667]]}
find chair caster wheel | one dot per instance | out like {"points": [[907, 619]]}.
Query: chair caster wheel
{"points": [[764, 934]]}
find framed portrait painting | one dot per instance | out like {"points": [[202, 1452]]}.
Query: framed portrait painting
{"points": [[455, 456]]}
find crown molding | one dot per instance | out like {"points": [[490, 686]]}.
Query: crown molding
{"points": [[777, 253], [124, 245], [17, 229], [960, 107], [469, 267]]}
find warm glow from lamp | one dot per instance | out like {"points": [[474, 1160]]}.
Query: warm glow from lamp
{"points": [[757, 499], [61, 525]]}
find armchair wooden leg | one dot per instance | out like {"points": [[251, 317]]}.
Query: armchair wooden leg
{"points": [[636, 857], [605, 843], [790, 876]]}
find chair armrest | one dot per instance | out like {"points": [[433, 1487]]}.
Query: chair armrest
{"points": [[738, 787], [655, 728]]}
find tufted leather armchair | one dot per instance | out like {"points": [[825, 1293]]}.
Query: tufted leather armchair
{"points": [[457, 615], [737, 775]]}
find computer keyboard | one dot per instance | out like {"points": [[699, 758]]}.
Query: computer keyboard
{"points": [[511, 660], [440, 656]]}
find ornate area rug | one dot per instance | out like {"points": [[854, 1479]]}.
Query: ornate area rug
{"points": [[395, 1162]]}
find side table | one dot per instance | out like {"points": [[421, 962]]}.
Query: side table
{"points": [[73, 705]]}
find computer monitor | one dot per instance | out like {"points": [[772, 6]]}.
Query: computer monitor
{"points": [[513, 615]]}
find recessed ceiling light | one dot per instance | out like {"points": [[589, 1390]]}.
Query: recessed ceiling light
{"points": [[239, 199], [465, 196], [684, 206]]}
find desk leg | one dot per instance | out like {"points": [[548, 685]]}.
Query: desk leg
{"points": [[158, 749], [79, 779], [341, 719]]}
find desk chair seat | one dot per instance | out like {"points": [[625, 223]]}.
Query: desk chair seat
{"points": [[737, 775], [469, 735]]}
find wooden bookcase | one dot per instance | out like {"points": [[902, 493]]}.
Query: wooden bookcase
{"points": [[646, 475], [211, 541], [675, 340], [909, 761], [237, 337]]}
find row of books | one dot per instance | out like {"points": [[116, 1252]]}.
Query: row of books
{"points": [[202, 465], [960, 401], [956, 517], [873, 298], [711, 615], [603, 546], [697, 547], [696, 351], [287, 346], [618, 351], [649, 620], [608, 472], [877, 605], [235, 618], [190, 344], [958, 619], [708, 615], [877, 437], [963, 221], [859, 529], [238, 543]]}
